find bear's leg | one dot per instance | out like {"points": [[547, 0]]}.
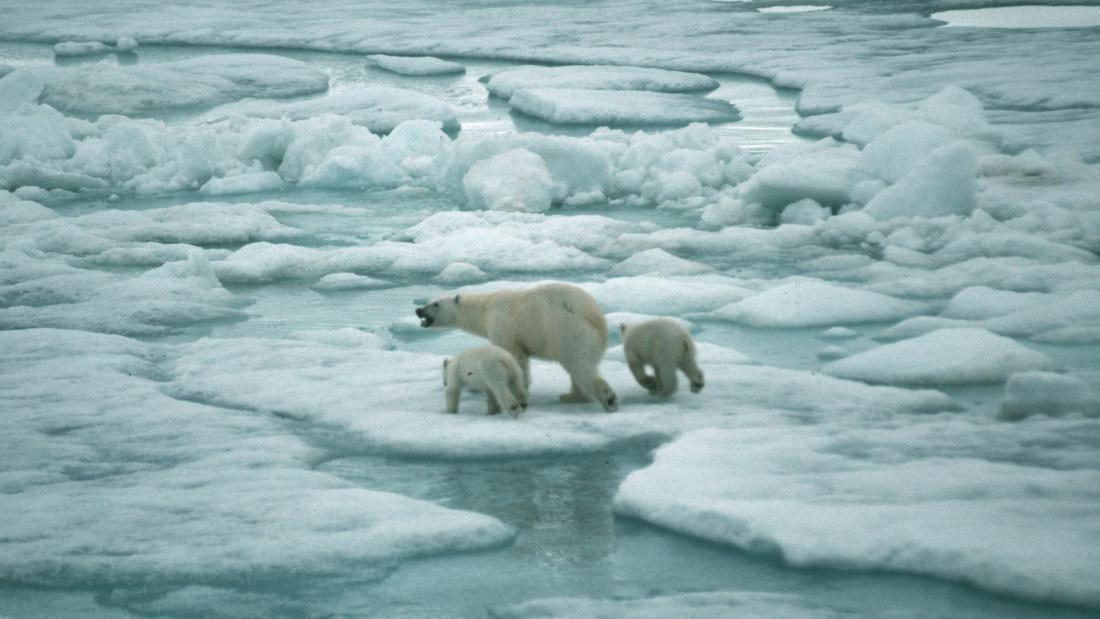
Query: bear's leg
{"points": [[666, 379], [453, 392], [504, 397], [515, 385], [524, 364], [588, 386], [694, 374], [637, 368], [494, 405], [576, 394]]}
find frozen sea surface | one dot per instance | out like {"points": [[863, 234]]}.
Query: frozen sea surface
{"points": [[216, 220]]}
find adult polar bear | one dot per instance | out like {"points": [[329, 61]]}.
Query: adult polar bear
{"points": [[549, 321]]}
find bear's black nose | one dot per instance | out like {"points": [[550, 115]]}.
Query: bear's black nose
{"points": [[419, 312]]}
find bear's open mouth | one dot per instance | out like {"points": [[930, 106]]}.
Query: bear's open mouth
{"points": [[426, 319]]}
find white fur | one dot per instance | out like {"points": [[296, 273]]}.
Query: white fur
{"points": [[489, 369], [665, 346], [550, 321]]}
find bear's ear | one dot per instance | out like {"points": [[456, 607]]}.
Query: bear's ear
{"points": [[456, 299]]}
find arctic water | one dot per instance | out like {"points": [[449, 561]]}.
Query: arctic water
{"points": [[217, 219]]}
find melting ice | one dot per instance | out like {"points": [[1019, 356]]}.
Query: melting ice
{"points": [[215, 223]]}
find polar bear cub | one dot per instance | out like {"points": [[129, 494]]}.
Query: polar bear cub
{"points": [[489, 369], [663, 344], [549, 321]]}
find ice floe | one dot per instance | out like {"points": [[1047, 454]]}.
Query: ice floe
{"points": [[108, 481], [416, 65], [814, 303], [142, 89], [574, 106], [378, 108], [504, 84], [960, 356], [891, 498], [1045, 393], [686, 606]]}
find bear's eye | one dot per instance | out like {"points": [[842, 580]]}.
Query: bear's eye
{"points": [[435, 305]]}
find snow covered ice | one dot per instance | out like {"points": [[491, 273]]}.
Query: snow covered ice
{"points": [[879, 224]]}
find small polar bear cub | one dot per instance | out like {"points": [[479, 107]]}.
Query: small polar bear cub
{"points": [[666, 346], [489, 369]]}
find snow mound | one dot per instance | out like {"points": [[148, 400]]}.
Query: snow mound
{"points": [[663, 296], [826, 172], [378, 108], [981, 302], [415, 65], [944, 357], [146, 88], [657, 261], [349, 281], [943, 183], [516, 180], [597, 77], [81, 48], [815, 303], [867, 499], [1046, 393], [574, 106]]}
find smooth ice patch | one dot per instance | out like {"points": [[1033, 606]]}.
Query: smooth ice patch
{"points": [[598, 77], [900, 497], [795, 8], [683, 606], [142, 89], [378, 108], [813, 304], [943, 357], [416, 65], [1045, 393], [1025, 16], [572, 106]]}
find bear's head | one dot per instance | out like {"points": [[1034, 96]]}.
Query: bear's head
{"points": [[442, 312]]}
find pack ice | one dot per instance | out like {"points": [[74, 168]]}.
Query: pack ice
{"points": [[208, 263]]}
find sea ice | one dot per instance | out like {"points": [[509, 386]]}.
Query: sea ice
{"points": [[416, 65], [814, 303], [515, 180], [826, 172], [944, 357], [142, 89], [108, 481], [657, 261], [81, 48], [662, 296], [378, 108], [597, 77], [1045, 393], [683, 606], [574, 106], [897, 498], [943, 183]]}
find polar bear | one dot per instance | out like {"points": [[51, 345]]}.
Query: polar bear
{"points": [[666, 346], [549, 321], [489, 369]]}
